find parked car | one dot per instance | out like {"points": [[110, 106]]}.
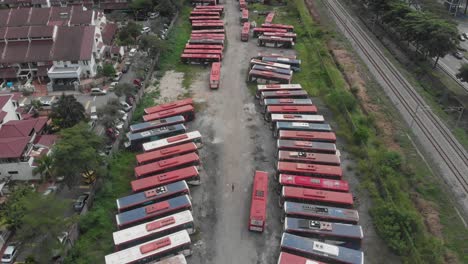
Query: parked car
{"points": [[126, 107], [117, 76], [145, 30], [112, 86], [50, 189], [98, 91], [458, 55], [80, 202], [119, 125], [94, 115], [461, 37], [124, 115], [62, 239], [132, 52], [126, 67], [10, 253], [137, 82], [153, 15]]}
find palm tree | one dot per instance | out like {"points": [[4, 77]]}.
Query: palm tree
{"points": [[45, 168], [67, 111]]}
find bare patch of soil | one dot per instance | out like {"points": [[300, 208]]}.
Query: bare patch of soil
{"points": [[170, 87], [431, 215]]}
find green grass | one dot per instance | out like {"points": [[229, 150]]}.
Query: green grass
{"points": [[97, 225], [390, 178], [146, 101]]}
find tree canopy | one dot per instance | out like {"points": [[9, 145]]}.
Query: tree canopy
{"points": [[463, 72], [124, 89], [108, 70], [128, 34], [153, 44], [67, 111]]}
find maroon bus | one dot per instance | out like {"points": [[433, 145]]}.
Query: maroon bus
{"points": [[199, 58], [316, 197], [210, 47], [166, 153], [288, 28], [312, 170], [170, 164], [189, 174], [313, 183], [309, 157], [259, 31], [307, 135], [187, 111], [268, 77], [312, 146]]}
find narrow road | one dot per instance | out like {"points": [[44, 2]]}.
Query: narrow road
{"points": [[437, 142]]}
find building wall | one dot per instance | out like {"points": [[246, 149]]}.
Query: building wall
{"points": [[23, 169], [10, 109]]}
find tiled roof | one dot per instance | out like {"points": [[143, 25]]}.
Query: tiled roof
{"points": [[81, 17], [81, 38], [39, 50], [7, 73], [15, 52], [108, 33], [2, 115], [4, 16], [17, 33], [19, 17], [4, 99], [46, 140], [60, 16], [39, 2], [41, 31], [39, 16], [13, 147], [22, 128]]}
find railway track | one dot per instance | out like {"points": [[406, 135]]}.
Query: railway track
{"points": [[441, 141]]}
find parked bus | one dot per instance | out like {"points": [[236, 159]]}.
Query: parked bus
{"points": [[312, 170], [174, 163], [206, 21], [135, 140], [213, 7], [207, 36], [271, 64], [299, 126], [275, 42], [199, 58], [204, 51], [208, 47], [211, 17], [269, 17], [177, 259], [275, 87], [320, 251], [189, 174], [345, 235], [206, 42], [289, 28], [215, 75], [167, 106], [268, 77], [242, 5], [152, 196], [259, 201], [170, 121], [173, 244], [260, 55], [193, 136], [319, 212], [273, 118], [313, 183], [209, 31], [312, 146], [290, 110], [289, 103], [317, 197], [187, 111], [259, 31], [166, 153], [244, 16], [245, 31], [272, 69], [203, 13], [135, 235], [284, 94], [291, 35], [153, 211], [287, 258], [295, 64], [306, 135], [216, 25], [308, 157]]}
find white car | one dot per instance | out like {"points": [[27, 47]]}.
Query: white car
{"points": [[153, 15], [145, 30], [124, 115], [10, 253], [117, 76], [119, 125], [50, 189], [112, 86], [98, 91]]}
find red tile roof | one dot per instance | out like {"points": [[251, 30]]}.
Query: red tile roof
{"points": [[81, 38], [19, 17], [15, 52], [39, 16], [81, 17], [39, 2], [7, 73], [13, 147], [2, 115], [17, 33], [22, 128], [108, 33], [4, 99], [39, 50], [46, 140], [4, 16], [41, 32], [60, 16]]}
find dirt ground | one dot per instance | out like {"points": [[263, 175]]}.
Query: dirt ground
{"points": [[237, 141]]}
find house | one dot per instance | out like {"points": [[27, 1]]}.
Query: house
{"points": [[21, 143], [8, 106], [115, 52], [89, 4], [56, 44]]}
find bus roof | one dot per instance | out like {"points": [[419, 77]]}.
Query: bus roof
{"points": [[199, 46], [315, 248], [170, 112], [152, 211], [263, 29], [302, 126], [245, 13], [155, 194], [287, 258], [289, 56], [157, 123], [294, 86], [166, 152], [297, 118], [156, 132], [314, 183], [272, 69], [313, 146], [164, 178], [162, 165], [268, 74], [199, 56], [151, 228], [306, 109], [309, 157], [269, 25], [171, 141], [203, 51], [308, 135], [209, 31], [210, 17], [275, 39], [259, 196], [133, 254], [265, 63], [304, 210], [282, 60], [284, 93], [287, 101], [167, 106], [314, 169], [322, 228], [312, 195], [177, 259], [269, 17]]}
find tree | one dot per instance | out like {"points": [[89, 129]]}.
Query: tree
{"points": [[129, 33], [124, 89], [77, 153], [463, 73], [67, 111], [153, 44], [166, 8], [13, 210], [34, 107], [45, 168], [110, 113], [140, 6], [108, 70]]}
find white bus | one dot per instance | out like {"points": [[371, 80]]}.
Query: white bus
{"points": [[193, 136]]}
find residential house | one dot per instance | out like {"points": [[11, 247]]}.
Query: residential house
{"points": [[8, 107]]}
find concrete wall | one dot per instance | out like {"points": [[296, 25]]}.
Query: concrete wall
{"points": [[10, 109], [24, 170]]}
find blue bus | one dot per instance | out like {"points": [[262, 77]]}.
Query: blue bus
{"points": [[173, 120], [320, 212], [300, 126], [135, 140]]}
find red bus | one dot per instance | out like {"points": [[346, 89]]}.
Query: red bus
{"points": [[151, 196], [313, 183], [207, 36], [320, 197], [289, 28], [275, 42], [209, 47], [313, 170], [174, 163], [167, 106], [259, 31], [192, 136], [219, 42], [307, 135], [245, 31], [189, 174], [187, 111], [254, 62], [312, 146], [289, 110], [215, 75], [200, 58], [257, 217], [210, 7], [242, 5], [165, 153], [153, 211], [287, 258], [207, 21], [276, 87], [199, 25], [244, 16], [284, 94], [295, 118], [204, 51], [268, 77], [269, 17], [291, 35], [308, 157], [170, 121], [209, 31], [203, 13], [212, 17]]}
